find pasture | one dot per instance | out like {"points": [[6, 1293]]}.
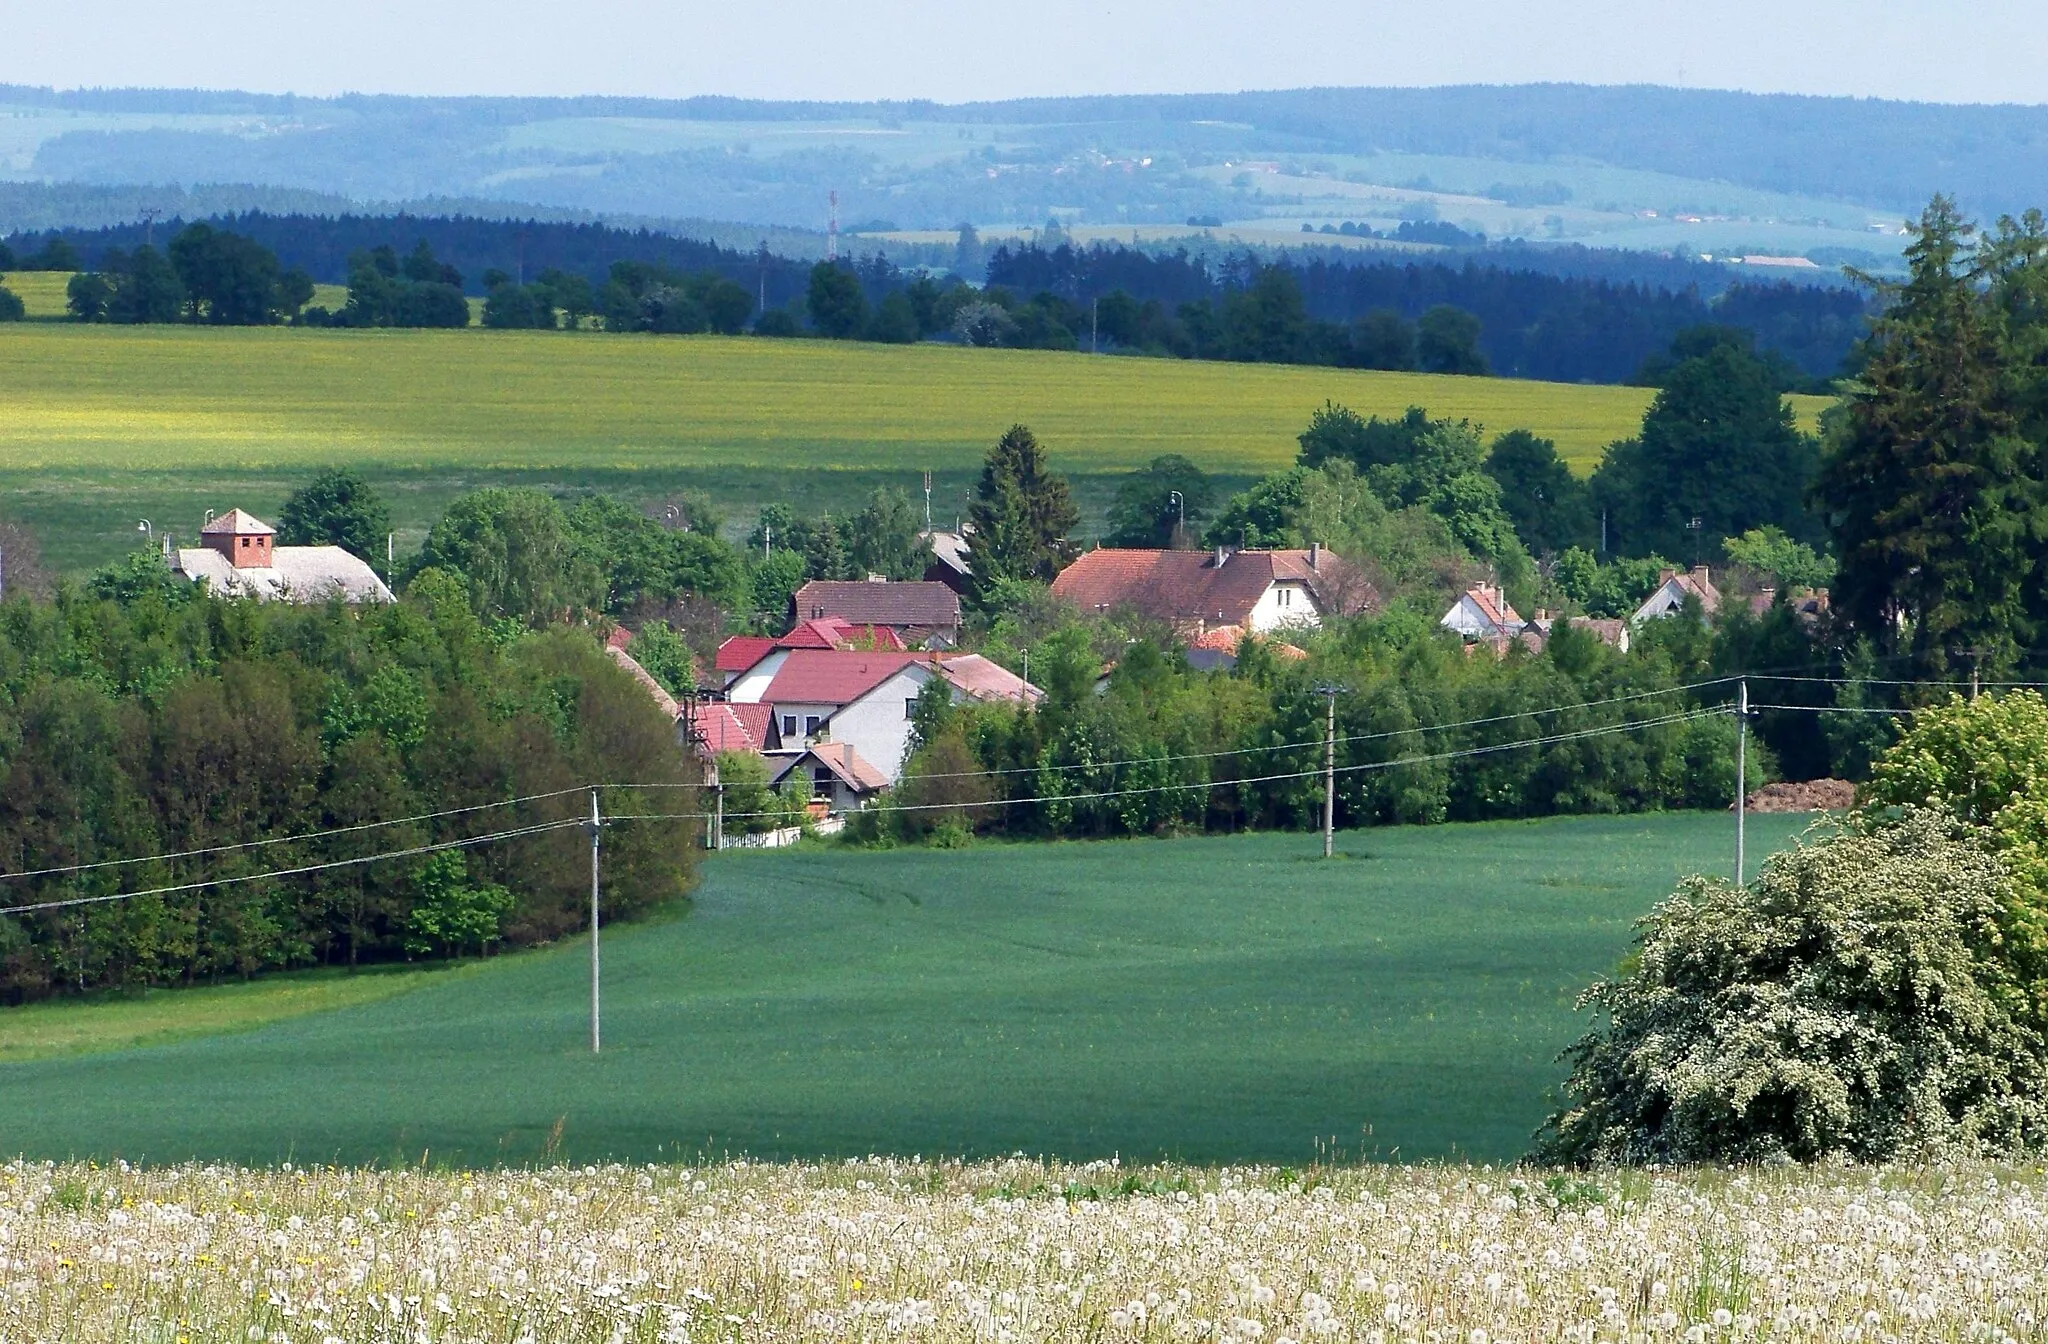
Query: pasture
{"points": [[102, 426], [1217, 999]]}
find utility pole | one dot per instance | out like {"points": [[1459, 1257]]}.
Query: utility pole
{"points": [[1741, 773], [391, 559], [1329, 694], [596, 999], [718, 820]]}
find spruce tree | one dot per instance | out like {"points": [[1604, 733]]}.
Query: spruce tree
{"points": [[1021, 514], [1927, 483]]}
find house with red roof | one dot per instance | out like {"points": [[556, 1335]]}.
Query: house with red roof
{"points": [[864, 701], [758, 654], [1673, 588], [1196, 591], [922, 615], [1483, 612]]}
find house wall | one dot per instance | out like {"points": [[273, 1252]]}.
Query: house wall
{"points": [[1468, 620], [753, 683], [1283, 604], [802, 710], [877, 725]]}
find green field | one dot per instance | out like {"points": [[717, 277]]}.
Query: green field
{"points": [[1210, 999], [100, 426], [42, 292]]}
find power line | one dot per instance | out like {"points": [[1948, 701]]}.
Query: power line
{"points": [[1294, 746], [1685, 716], [300, 871], [288, 839]]}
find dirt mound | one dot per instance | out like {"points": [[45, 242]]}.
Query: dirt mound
{"points": [[1815, 795]]}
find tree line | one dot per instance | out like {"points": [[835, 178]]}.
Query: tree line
{"points": [[1368, 314], [140, 716]]}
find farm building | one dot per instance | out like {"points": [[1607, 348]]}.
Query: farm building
{"points": [[921, 615], [238, 556], [1197, 591], [949, 559]]}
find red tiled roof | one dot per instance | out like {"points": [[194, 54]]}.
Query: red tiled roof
{"points": [[1227, 638], [884, 604], [842, 760], [984, 679], [742, 651], [1188, 585], [834, 676], [722, 726]]}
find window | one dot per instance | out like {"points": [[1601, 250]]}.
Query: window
{"points": [[910, 708], [1286, 597], [789, 725], [821, 783], [811, 722]]}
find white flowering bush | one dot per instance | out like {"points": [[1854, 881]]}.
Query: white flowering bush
{"points": [[1851, 1001], [1018, 1251]]}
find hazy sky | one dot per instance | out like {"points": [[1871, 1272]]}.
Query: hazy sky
{"points": [[1947, 50]]}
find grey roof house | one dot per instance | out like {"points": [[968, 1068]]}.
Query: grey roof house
{"points": [[238, 556]]}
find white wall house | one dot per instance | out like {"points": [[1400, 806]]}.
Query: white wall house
{"points": [[751, 687], [1483, 612], [1287, 604]]}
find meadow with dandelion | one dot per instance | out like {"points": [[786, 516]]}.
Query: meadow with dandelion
{"points": [[1018, 1250]]}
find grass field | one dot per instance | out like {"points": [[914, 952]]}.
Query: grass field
{"points": [[100, 427], [1205, 999], [42, 292], [118, 1022]]}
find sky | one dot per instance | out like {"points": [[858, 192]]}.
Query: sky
{"points": [[959, 50]]}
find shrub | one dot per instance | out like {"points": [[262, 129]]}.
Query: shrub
{"points": [[1842, 1005]]}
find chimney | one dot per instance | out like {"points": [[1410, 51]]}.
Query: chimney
{"points": [[1315, 555], [1702, 576], [1665, 576], [1222, 554]]}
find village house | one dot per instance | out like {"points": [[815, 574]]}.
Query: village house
{"points": [[922, 615], [866, 700], [1673, 588], [761, 655], [1486, 619], [1483, 612], [238, 556], [1198, 591]]}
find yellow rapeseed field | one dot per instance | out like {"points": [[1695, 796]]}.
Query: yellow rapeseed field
{"points": [[1017, 1251], [171, 398]]}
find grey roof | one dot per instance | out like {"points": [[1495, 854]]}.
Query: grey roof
{"points": [[297, 574]]}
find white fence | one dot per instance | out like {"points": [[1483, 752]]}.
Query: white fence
{"points": [[781, 839]]}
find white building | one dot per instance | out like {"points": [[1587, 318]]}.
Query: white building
{"points": [[238, 557]]}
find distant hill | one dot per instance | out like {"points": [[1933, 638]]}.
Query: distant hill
{"points": [[1639, 166]]}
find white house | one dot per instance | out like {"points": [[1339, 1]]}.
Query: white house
{"points": [[1196, 591], [864, 701], [1483, 612], [1673, 588]]}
